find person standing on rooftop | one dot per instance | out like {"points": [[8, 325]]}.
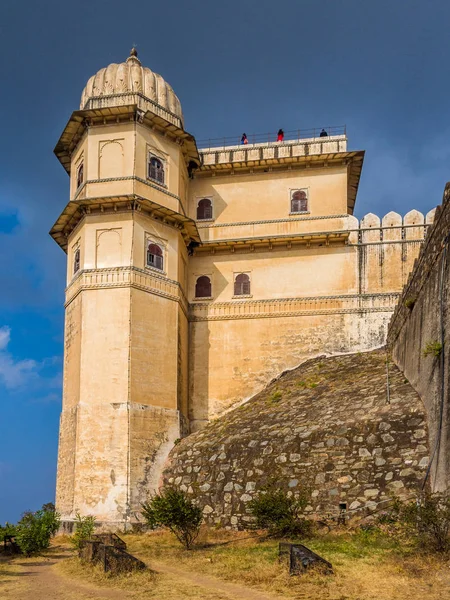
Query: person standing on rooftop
{"points": [[244, 139], [280, 135]]}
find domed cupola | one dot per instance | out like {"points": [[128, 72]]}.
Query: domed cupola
{"points": [[131, 83]]}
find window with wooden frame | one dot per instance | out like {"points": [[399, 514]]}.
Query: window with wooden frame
{"points": [[299, 201], [155, 256], [156, 169], [80, 175], [203, 287], [76, 260], [204, 209], [242, 285]]}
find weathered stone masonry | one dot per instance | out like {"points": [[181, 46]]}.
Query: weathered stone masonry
{"points": [[417, 322], [326, 425]]}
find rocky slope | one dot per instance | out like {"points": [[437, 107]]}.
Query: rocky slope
{"points": [[326, 425]]}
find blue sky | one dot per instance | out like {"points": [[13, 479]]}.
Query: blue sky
{"points": [[380, 67]]}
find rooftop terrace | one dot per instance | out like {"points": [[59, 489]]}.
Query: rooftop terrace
{"points": [[261, 139]]}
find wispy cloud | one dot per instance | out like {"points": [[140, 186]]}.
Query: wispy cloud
{"points": [[16, 374]]}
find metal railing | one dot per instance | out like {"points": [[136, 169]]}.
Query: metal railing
{"points": [[264, 138]]}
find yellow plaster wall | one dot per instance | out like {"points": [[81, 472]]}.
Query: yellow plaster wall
{"points": [[168, 237], [154, 350], [102, 432], [263, 196], [121, 150], [81, 155], [106, 341], [149, 141], [183, 363], [279, 273], [88, 233], [233, 359], [126, 365]]}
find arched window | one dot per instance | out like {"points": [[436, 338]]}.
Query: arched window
{"points": [[203, 287], [204, 209], [299, 201], [155, 256], [76, 261], [156, 169], [80, 175], [242, 285]]}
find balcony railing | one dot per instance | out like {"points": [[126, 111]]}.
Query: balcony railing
{"points": [[261, 138]]}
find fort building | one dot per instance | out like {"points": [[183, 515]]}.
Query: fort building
{"points": [[196, 274]]}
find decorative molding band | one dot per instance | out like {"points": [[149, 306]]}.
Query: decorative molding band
{"points": [[304, 313], [126, 277], [292, 307], [161, 189], [258, 243], [387, 242], [243, 223], [133, 277]]}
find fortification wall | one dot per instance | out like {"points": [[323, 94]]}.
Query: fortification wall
{"points": [[307, 299], [416, 323]]}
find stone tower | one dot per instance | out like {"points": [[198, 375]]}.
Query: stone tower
{"points": [[126, 234]]}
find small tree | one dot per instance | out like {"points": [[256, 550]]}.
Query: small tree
{"points": [[279, 513], [84, 528], [174, 510], [427, 519], [35, 529]]}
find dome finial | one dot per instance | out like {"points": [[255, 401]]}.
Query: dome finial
{"points": [[133, 51]]}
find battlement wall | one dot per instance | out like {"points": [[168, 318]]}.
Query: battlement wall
{"points": [[420, 318]]}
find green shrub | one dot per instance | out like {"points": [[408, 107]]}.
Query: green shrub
{"points": [[84, 528], [426, 519], [433, 348], [275, 397], [7, 529], [174, 510], [35, 529], [309, 383], [281, 514]]}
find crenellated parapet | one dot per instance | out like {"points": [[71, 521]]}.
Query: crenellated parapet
{"points": [[387, 248], [392, 227]]}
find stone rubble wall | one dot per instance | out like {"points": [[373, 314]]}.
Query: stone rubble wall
{"points": [[415, 323], [325, 425]]}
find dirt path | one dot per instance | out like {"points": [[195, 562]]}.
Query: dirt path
{"points": [[36, 579], [228, 590]]}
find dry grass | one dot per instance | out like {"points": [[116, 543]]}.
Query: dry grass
{"points": [[367, 567], [139, 585], [11, 583]]}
